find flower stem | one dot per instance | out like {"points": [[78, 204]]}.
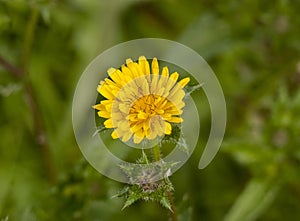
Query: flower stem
{"points": [[156, 152], [157, 157]]}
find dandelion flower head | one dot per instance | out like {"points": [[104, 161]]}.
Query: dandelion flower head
{"points": [[141, 103]]}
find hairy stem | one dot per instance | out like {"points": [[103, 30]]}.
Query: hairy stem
{"points": [[157, 157], [156, 152]]}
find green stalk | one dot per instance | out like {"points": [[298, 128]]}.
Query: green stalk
{"points": [[29, 37], [41, 138], [157, 157], [156, 152]]}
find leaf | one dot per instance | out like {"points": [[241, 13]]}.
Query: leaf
{"points": [[130, 200], [157, 192], [165, 202], [143, 159], [180, 142], [183, 146], [122, 192], [192, 88], [147, 173], [99, 129], [254, 200]]}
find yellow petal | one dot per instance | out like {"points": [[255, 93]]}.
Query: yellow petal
{"points": [[145, 65], [110, 71], [175, 120], [165, 72], [174, 76], [137, 139], [111, 84], [160, 90], [124, 108], [140, 133], [145, 87], [154, 82], [177, 96], [106, 102], [152, 135], [117, 116], [132, 67], [127, 136], [136, 127], [139, 69], [175, 111], [99, 107], [108, 107], [128, 61], [126, 71], [161, 128], [155, 67], [147, 133], [163, 78], [114, 134], [125, 94], [175, 90], [124, 125], [120, 133], [104, 114], [171, 81], [146, 125], [184, 82], [114, 74], [105, 92], [142, 60], [168, 128], [180, 105], [108, 123]]}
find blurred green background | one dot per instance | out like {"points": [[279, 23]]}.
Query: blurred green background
{"points": [[254, 49]]}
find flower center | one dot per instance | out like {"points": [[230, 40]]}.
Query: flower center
{"points": [[148, 106]]}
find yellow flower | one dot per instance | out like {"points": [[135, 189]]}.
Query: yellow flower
{"points": [[141, 104]]}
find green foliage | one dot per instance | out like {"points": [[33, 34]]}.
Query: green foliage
{"points": [[143, 182], [157, 192], [252, 46], [253, 201]]}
